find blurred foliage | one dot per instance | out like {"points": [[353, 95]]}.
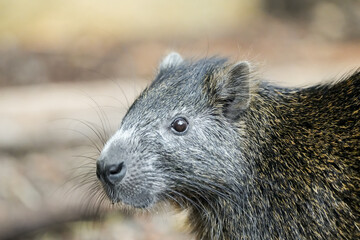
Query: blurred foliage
{"points": [[334, 19], [51, 41], [80, 23]]}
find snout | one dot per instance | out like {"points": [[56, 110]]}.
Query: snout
{"points": [[109, 172]]}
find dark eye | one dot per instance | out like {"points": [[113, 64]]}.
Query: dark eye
{"points": [[179, 125]]}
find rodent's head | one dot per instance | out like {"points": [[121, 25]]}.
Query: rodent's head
{"points": [[181, 132]]}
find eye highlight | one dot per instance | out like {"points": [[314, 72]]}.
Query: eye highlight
{"points": [[179, 125]]}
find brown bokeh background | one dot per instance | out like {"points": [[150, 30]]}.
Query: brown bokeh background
{"points": [[67, 66]]}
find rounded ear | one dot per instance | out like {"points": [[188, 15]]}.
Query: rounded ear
{"points": [[232, 91], [237, 90], [171, 60]]}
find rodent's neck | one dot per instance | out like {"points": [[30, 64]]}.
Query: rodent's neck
{"points": [[267, 145], [241, 210], [291, 140]]}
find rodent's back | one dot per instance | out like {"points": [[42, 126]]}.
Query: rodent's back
{"points": [[310, 155], [249, 161]]}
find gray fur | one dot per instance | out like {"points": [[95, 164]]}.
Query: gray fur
{"points": [[171, 60], [257, 161]]}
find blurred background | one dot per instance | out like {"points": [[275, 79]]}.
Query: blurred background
{"points": [[69, 69]]}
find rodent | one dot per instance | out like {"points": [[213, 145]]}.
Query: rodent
{"points": [[248, 159]]}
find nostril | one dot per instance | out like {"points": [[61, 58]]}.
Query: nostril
{"points": [[99, 169], [115, 172], [115, 169], [98, 173]]}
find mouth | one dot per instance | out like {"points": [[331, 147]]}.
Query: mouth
{"points": [[143, 199]]}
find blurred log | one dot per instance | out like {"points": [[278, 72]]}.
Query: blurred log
{"points": [[35, 222], [41, 116], [26, 223]]}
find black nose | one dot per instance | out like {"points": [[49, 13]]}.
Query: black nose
{"points": [[111, 173]]}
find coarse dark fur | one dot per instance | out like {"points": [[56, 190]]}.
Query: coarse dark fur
{"points": [[256, 162]]}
